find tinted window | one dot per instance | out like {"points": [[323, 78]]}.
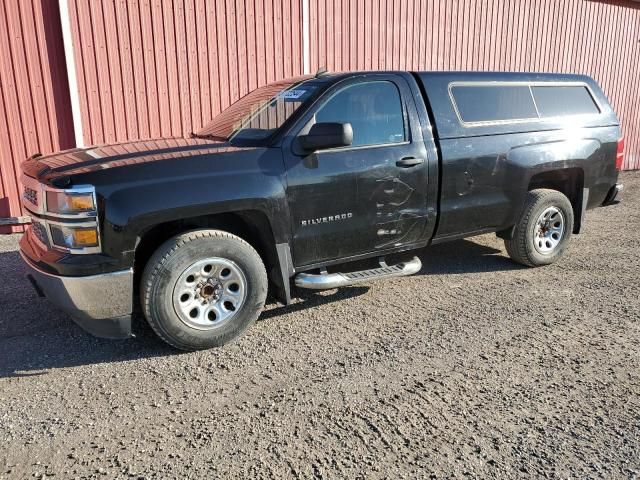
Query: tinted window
{"points": [[373, 109], [560, 101], [493, 103]]}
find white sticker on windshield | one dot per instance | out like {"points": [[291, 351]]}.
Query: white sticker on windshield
{"points": [[292, 93]]}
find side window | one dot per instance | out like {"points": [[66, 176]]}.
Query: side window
{"points": [[493, 103], [557, 101], [511, 103], [373, 109]]}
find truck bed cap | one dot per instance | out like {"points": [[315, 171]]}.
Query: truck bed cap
{"points": [[437, 87]]}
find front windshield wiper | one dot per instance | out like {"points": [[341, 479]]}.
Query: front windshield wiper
{"points": [[209, 137]]}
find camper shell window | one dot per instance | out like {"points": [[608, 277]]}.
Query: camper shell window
{"points": [[560, 101], [511, 102]]}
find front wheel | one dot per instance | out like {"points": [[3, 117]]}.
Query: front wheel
{"points": [[203, 289], [543, 230]]}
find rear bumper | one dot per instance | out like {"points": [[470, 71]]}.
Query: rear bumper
{"points": [[100, 304], [614, 196]]}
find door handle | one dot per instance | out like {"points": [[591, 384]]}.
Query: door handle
{"points": [[408, 162]]}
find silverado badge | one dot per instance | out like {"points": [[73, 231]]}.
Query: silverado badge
{"points": [[330, 218]]}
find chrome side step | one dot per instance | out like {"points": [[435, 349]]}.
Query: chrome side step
{"points": [[325, 280]]}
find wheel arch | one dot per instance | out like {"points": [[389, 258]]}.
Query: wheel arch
{"points": [[568, 181], [253, 226], [536, 229]]}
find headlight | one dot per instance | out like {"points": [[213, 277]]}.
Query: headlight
{"points": [[63, 219], [66, 236], [70, 202]]}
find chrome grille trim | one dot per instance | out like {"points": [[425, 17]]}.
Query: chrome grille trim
{"points": [[40, 232], [31, 196]]}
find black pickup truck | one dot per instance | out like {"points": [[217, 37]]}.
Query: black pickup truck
{"points": [[299, 179]]}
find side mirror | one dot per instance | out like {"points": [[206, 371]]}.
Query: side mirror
{"points": [[327, 135]]}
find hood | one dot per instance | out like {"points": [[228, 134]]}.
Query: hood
{"points": [[84, 160]]}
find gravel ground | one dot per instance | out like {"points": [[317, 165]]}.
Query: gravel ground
{"points": [[473, 367]]}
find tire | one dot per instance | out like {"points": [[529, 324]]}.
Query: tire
{"points": [[537, 238], [203, 289]]}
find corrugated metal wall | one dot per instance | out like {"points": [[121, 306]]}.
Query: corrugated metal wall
{"points": [[580, 36], [163, 68], [35, 113]]}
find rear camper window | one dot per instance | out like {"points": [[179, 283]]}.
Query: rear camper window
{"points": [[557, 101], [493, 103], [522, 102]]}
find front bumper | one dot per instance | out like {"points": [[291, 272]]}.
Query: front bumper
{"points": [[100, 304]]}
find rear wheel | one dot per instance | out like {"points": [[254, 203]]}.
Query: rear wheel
{"points": [[543, 231], [203, 289]]}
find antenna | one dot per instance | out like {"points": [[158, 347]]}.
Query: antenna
{"points": [[321, 71]]}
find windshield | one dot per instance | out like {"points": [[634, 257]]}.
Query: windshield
{"points": [[259, 114]]}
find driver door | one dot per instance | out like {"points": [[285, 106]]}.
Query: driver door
{"points": [[368, 197]]}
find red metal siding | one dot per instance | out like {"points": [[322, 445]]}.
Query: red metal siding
{"points": [[35, 111], [160, 68], [580, 36], [157, 68]]}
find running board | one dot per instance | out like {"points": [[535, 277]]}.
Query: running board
{"points": [[325, 280]]}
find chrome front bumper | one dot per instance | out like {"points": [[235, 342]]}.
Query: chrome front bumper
{"points": [[100, 304]]}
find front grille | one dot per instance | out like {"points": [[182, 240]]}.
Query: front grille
{"points": [[30, 195], [40, 231]]}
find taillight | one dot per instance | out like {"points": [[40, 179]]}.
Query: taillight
{"points": [[620, 154]]}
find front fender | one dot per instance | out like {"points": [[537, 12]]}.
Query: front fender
{"points": [[250, 180]]}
